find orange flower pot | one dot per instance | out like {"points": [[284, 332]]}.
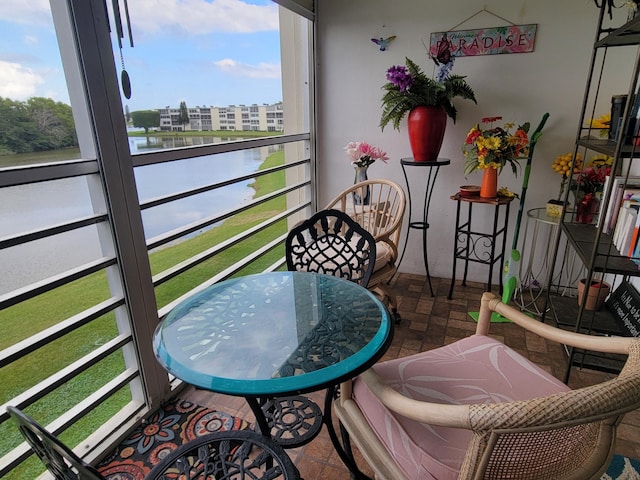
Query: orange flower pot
{"points": [[489, 186], [594, 296]]}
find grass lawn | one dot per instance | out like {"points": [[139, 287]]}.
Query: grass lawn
{"points": [[27, 318]]}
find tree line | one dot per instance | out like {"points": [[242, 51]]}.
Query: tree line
{"points": [[41, 124], [35, 125]]}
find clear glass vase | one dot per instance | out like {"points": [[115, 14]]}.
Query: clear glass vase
{"points": [[361, 196]]}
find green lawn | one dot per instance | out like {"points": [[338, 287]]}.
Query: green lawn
{"points": [[25, 319]]}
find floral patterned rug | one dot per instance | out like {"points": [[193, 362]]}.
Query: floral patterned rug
{"points": [[177, 423], [181, 421]]}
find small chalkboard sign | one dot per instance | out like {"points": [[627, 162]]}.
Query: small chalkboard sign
{"points": [[624, 302]]}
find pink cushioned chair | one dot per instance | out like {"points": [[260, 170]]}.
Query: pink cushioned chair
{"points": [[476, 409]]}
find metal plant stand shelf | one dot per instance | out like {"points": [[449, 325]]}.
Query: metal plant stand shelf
{"points": [[539, 236], [423, 223], [477, 246]]}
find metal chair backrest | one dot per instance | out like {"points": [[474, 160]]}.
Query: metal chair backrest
{"points": [[57, 457], [332, 243], [235, 454]]}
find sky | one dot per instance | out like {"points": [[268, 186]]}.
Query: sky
{"points": [[203, 52]]}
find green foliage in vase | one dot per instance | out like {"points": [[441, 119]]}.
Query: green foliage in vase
{"points": [[409, 87]]}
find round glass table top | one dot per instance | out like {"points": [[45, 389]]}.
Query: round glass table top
{"points": [[273, 334]]}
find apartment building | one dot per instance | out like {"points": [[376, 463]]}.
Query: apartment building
{"points": [[254, 117]]}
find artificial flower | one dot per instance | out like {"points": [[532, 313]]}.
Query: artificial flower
{"points": [[363, 154], [562, 165], [408, 87], [592, 178], [603, 124], [505, 192], [494, 147], [589, 179]]}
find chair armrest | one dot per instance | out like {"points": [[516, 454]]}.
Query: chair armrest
{"points": [[455, 416], [392, 245], [491, 303]]}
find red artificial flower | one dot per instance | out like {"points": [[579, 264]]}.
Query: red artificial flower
{"points": [[491, 119], [473, 135]]}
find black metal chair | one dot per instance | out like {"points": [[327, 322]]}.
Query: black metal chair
{"points": [[57, 457], [236, 454], [332, 243]]}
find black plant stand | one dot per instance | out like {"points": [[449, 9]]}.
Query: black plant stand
{"points": [[422, 224], [479, 246]]}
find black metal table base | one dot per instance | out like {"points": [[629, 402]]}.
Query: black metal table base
{"points": [[345, 453], [294, 421]]}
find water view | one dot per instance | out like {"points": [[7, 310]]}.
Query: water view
{"points": [[23, 210]]}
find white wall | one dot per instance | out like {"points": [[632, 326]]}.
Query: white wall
{"points": [[518, 87]]}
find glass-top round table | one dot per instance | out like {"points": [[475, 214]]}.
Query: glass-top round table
{"points": [[273, 334]]}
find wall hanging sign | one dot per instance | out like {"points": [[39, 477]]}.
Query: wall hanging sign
{"points": [[486, 41]]}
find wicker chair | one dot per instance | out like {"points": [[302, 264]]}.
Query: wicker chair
{"points": [[424, 417], [382, 217], [332, 243]]}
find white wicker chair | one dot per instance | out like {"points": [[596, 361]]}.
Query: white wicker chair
{"points": [[382, 216], [518, 423]]}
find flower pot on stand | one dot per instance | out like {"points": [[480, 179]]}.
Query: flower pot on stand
{"points": [[426, 127], [594, 296], [489, 185]]}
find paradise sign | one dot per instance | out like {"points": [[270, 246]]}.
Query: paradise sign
{"points": [[485, 41]]}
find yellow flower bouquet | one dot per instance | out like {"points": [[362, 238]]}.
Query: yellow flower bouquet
{"points": [[494, 147]]}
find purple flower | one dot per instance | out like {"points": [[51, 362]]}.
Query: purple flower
{"points": [[399, 75], [444, 70]]}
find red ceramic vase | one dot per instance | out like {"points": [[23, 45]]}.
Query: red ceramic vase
{"points": [[426, 131]]}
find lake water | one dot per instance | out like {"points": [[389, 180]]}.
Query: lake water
{"points": [[29, 207], [166, 178]]}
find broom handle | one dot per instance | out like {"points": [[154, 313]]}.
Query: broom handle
{"points": [[525, 182]]}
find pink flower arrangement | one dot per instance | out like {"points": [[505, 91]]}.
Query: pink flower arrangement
{"points": [[363, 154]]}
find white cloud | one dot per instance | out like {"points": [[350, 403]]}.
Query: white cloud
{"points": [[178, 16], [201, 16], [29, 12], [18, 82], [30, 39], [261, 70]]}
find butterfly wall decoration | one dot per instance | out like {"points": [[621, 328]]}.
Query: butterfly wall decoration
{"points": [[382, 42], [443, 54]]}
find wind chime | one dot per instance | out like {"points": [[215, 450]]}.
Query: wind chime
{"points": [[125, 81]]}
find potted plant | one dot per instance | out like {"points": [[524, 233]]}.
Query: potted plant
{"points": [[490, 149], [587, 184], [362, 155], [593, 296], [562, 165], [427, 101]]}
